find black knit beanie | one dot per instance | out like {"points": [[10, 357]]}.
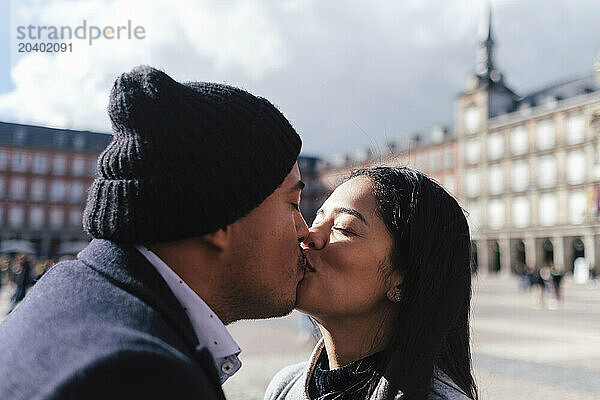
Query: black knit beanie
{"points": [[186, 159]]}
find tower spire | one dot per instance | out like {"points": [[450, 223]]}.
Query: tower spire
{"points": [[485, 53]]}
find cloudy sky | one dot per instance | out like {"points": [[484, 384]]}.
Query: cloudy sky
{"points": [[347, 74]]}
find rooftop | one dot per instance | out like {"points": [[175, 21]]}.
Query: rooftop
{"points": [[39, 137]]}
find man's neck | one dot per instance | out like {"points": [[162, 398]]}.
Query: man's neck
{"points": [[191, 266]]}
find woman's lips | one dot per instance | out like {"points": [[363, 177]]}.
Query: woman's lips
{"points": [[309, 267]]}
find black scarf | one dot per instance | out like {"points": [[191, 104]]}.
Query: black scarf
{"points": [[350, 382]]}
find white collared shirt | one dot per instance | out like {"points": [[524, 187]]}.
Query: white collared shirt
{"points": [[209, 329]]}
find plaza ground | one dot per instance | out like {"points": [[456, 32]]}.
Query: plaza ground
{"points": [[520, 350]]}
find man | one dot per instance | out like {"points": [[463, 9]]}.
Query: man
{"points": [[195, 215]]}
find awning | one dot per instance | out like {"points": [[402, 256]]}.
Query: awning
{"points": [[17, 246]]}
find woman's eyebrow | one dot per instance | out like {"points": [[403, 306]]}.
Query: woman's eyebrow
{"points": [[351, 211]]}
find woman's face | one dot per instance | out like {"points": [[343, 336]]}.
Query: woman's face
{"points": [[348, 248]]}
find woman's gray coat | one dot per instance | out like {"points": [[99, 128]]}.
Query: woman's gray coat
{"points": [[291, 383]]}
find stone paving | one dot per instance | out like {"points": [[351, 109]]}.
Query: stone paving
{"points": [[520, 350]]}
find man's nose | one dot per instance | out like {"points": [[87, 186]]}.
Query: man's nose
{"points": [[301, 228]]}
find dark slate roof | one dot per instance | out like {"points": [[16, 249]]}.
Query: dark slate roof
{"points": [[495, 81], [560, 91], [40, 137]]}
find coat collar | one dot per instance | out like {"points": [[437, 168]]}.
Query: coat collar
{"points": [[125, 267]]}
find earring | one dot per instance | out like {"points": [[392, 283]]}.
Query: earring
{"points": [[397, 296]]}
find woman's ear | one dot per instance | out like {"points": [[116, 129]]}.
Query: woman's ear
{"points": [[394, 294], [219, 239]]}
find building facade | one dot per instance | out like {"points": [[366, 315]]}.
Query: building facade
{"points": [[314, 190], [44, 176], [529, 169], [434, 154], [525, 167]]}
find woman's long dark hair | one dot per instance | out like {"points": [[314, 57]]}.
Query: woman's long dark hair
{"points": [[432, 250]]}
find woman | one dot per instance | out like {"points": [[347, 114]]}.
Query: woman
{"points": [[389, 285]]}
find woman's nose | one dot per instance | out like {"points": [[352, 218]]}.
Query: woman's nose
{"points": [[314, 240]]}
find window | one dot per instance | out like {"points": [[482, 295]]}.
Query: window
{"points": [[495, 146], [93, 167], [472, 182], [472, 151], [40, 163], [57, 216], [520, 212], [2, 187], [60, 165], [79, 142], [17, 188], [576, 167], [577, 207], [36, 217], [3, 159], [450, 183], [545, 134], [38, 190], [496, 214], [474, 216], [20, 136], [76, 192], [448, 158], [434, 160], [518, 141], [575, 129], [75, 217], [495, 179], [78, 166], [472, 119], [19, 161], [60, 139], [519, 178], [16, 217], [546, 171], [547, 209], [57, 191]]}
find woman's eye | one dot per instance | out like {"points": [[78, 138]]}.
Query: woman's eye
{"points": [[296, 206], [342, 230]]}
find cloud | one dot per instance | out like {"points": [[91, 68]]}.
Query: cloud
{"points": [[192, 40], [347, 74]]}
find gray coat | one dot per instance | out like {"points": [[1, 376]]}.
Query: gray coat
{"points": [[291, 383]]}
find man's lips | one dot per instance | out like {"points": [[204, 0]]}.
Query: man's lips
{"points": [[309, 266]]}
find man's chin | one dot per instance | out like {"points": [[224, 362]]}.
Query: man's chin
{"points": [[282, 312], [274, 311]]}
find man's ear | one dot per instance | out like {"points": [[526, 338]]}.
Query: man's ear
{"points": [[219, 239]]}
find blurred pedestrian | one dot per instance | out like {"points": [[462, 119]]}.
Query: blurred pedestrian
{"points": [[537, 279], [547, 286], [22, 274], [532, 276], [521, 269], [4, 264], [557, 276], [41, 267]]}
